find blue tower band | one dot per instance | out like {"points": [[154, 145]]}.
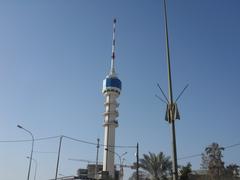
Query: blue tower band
{"points": [[112, 84]]}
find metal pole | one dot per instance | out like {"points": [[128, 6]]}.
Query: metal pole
{"points": [[168, 56], [174, 152], [121, 159], [36, 166], [30, 159], [172, 120], [137, 172], [96, 168], [35, 174], [59, 152]]}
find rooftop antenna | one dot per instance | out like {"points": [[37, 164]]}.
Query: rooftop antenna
{"points": [[166, 99]]}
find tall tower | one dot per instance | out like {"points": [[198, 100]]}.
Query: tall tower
{"points": [[111, 91]]}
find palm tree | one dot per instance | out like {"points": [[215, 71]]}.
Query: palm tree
{"points": [[215, 163], [232, 170], [142, 176], [157, 165], [185, 171]]}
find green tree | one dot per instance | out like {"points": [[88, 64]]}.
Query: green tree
{"points": [[142, 176], [232, 170], [158, 166], [213, 157], [185, 171], [205, 161]]}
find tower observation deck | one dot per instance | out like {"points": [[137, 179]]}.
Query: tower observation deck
{"points": [[111, 90]]}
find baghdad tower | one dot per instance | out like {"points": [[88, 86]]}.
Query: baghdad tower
{"points": [[111, 90]]}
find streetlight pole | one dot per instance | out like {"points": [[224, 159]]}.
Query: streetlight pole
{"points": [[58, 158], [137, 156], [30, 159], [120, 160], [96, 168], [36, 166]]}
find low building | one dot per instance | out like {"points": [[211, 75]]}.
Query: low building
{"points": [[89, 173]]}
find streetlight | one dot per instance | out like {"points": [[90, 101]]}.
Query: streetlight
{"points": [[120, 160], [36, 166], [119, 156], [58, 158], [30, 159]]}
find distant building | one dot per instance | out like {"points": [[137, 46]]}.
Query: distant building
{"points": [[89, 173]]}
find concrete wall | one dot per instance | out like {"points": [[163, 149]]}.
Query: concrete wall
{"points": [[204, 177]]}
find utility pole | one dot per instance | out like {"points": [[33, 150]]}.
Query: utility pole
{"points": [[137, 155], [172, 111], [96, 168]]}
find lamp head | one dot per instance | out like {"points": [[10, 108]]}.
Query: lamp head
{"points": [[19, 126]]}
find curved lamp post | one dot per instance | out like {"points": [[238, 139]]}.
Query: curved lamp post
{"points": [[30, 159], [36, 166], [120, 160]]}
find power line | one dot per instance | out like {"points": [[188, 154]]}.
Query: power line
{"points": [[79, 140], [54, 137], [197, 155], [93, 143], [45, 152], [121, 146], [231, 146], [188, 157], [27, 140]]}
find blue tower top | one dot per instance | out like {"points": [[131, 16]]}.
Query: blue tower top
{"points": [[112, 83]]}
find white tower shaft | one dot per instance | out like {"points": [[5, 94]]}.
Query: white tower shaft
{"points": [[110, 123]]}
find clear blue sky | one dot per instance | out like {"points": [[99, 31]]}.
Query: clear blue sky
{"points": [[55, 54]]}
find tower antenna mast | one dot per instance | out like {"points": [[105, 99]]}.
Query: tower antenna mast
{"points": [[112, 70]]}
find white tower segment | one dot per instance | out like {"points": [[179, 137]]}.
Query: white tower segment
{"points": [[111, 90]]}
